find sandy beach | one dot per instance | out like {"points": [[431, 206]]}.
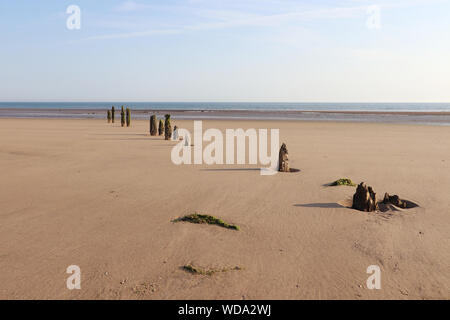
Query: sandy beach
{"points": [[88, 193]]}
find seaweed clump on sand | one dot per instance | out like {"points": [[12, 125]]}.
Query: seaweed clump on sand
{"points": [[343, 182], [203, 218], [206, 272]]}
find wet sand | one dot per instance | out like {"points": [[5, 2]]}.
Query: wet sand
{"points": [[428, 118]]}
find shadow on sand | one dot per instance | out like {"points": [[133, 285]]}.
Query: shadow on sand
{"points": [[232, 169], [320, 205], [383, 207], [248, 169], [136, 139], [122, 134]]}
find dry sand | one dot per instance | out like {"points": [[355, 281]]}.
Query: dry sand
{"points": [[102, 197]]}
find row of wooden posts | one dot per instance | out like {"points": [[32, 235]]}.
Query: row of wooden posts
{"points": [[164, 127], [125, 118]]}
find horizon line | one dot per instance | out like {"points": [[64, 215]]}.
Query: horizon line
{"points": [[234, 101]]}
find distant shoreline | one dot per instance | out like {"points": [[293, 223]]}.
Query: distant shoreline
{"points": [[417, 117]]}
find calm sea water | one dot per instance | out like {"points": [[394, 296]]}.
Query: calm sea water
{"points": [[410, 107]]}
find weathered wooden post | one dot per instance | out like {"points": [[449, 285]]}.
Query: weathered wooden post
{"points": [[153, 128], [167, 128], [161, 127], [122, 117], [128, 117]]}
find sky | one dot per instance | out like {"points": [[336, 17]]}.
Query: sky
{"points": [[229, 50]]}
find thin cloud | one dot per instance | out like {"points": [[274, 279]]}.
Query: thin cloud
{"points": [[129, 6], [225, 19], [244, 20]]}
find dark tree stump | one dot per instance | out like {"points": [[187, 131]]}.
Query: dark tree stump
{"points": [[365, 199], [283, 160], [395, 200]]}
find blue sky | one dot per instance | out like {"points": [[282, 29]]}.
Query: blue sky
{"points": [[235, 50]]}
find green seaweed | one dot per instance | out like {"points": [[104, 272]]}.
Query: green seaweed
{"points": [[203, 218], [343, 182], [206, 272]]}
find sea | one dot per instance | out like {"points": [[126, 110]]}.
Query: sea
{"points": [[238, 106]]}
